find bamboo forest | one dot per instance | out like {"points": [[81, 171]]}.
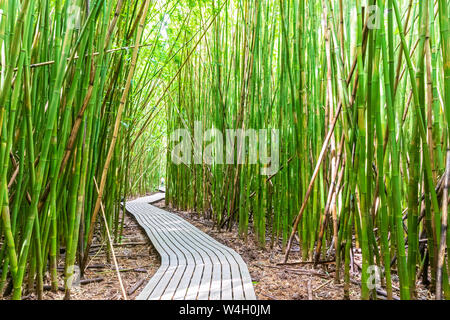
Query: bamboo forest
{"points": [[224, 149]]}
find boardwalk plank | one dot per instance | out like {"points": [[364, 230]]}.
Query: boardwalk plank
{"points": [[193, 264]]}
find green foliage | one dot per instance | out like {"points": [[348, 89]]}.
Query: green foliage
{"points": [[372, 179]]}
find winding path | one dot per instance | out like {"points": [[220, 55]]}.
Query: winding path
{"points": [[194, 266]]}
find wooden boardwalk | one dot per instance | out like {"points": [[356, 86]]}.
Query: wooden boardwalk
{"points": [[194, 266]]}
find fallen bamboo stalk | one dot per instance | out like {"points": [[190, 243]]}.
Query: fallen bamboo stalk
{"points": [[310, 292], [323, 285], [122, 244], [136, 286], [92, 266], [48, 287], [305, 262], [93, 280], [136, 269]]}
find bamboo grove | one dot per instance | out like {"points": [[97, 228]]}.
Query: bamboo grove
{"points": [[360, 93], [69, 77]]}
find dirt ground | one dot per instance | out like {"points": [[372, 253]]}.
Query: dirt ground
{"points": [[271, 281], [137, 260], [279, 282]]}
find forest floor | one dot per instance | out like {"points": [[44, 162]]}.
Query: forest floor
{"points": [[271, 281], [137, 259], [283, 282]]}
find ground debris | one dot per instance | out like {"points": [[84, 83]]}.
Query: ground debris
{"points": [[137, 259]]}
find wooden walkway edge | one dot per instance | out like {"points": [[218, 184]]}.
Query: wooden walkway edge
{"points": [[194, 266]]}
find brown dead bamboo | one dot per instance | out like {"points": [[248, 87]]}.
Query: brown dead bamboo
{"points": [[443, 243], [110, 241]]}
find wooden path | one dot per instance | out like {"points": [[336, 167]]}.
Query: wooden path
{"points": [[194, 266]]}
